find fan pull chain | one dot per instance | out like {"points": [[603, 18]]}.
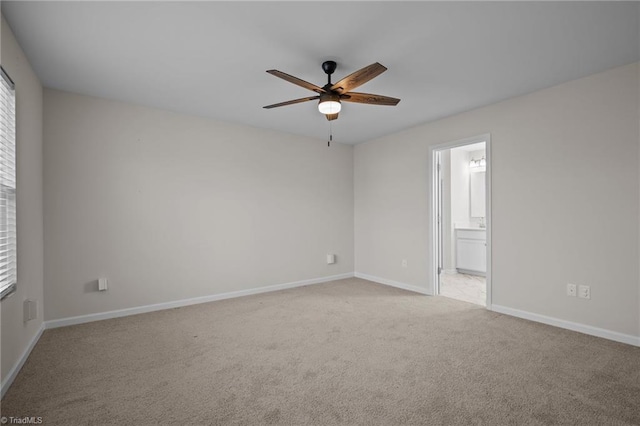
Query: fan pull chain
{"points": [[330, 135]]}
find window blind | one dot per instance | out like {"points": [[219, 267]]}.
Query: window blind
{"points": [[8, 273]]}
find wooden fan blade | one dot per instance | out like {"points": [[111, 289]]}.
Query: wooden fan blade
{"points": [[368, 98], [332, 116], [358, 78], [296, 81], [295, 101]]}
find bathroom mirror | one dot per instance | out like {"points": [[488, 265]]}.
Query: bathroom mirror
{"points": [[476, 190]]}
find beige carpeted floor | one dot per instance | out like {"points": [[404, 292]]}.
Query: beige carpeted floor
{"points": [[346, 352]]}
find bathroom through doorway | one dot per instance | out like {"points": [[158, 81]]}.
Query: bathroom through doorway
{"points": [[461, 221]]}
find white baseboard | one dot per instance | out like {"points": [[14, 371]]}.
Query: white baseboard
{"points": [[574, 326], [186, 302], [6, 383], [392, 283]]}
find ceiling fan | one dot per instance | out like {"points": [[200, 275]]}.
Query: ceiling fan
{"points": [[332, 94]]}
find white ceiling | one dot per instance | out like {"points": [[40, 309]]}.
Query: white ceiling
{"points": [[209, 58]]}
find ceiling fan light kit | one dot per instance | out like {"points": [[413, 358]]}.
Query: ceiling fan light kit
{"points": [[331, 95], [329, 104]]}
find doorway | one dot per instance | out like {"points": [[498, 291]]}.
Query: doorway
{"points": [[461, 220]]}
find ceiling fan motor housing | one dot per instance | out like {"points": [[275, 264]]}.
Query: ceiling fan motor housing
{"points": [[331, 96]]}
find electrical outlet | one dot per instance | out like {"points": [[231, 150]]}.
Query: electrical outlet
{"points": [[584, 292], [572, 290], [404, 263]]}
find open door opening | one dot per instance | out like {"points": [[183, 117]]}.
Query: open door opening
{"points": [[461, 220]]}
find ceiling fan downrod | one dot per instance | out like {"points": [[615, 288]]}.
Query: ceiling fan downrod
{"points": [[329, 67]]}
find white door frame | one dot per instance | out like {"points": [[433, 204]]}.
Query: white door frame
{"points": [[433, 288]]}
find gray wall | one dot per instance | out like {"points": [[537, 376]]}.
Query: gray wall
{"points": [[16, 335], [171, 207], [565, 199]]}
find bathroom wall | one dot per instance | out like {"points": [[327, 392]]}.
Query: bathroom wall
{"points": [[459, 187], [448, 248]]}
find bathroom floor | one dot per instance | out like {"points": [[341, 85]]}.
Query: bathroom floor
{"points": [[468, 288]]}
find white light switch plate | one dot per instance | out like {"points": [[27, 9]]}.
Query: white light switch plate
{"points": [[102, 284], [29, 310]]}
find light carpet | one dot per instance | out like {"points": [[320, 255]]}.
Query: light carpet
{"points": [[349, 352]]}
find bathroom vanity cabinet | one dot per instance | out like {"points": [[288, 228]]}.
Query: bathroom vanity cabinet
{"points": [[471, 251]]}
